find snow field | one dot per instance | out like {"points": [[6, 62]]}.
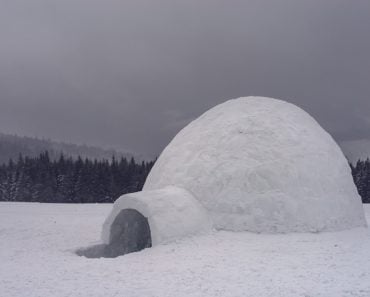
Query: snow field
{"points": [[37, 244]]}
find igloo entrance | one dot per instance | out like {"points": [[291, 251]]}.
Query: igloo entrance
{"points": [[129, 232]]}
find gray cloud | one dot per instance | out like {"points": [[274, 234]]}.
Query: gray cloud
{"points": [[130, 74]]}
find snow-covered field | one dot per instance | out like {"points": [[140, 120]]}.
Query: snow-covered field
{"points": [[37, 243]]}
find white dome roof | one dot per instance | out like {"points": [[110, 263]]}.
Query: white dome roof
{"points": [[262, 165]]}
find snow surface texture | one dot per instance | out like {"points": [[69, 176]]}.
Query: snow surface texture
{"points": [[37, 243], [262, 165], [172, 214]]}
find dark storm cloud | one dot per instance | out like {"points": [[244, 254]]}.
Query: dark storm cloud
{"points": [[130, 74]]}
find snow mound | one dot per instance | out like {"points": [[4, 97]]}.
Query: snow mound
{"points": [[261, 165]]}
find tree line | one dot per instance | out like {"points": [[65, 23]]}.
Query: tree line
{"points": [[67, 180]]}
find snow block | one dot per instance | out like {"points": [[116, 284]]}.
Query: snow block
{"points": [[262, 165], [172, 213]]}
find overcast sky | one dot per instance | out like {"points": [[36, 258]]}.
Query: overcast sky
{"points": [[130, 74]]}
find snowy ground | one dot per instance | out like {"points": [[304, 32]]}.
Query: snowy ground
{"points": [[37, 243]]}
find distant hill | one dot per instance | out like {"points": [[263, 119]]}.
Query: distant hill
{"points": [[12, 145], [356, 149]]}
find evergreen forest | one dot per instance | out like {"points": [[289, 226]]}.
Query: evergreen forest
{"points": [[68, 180]]}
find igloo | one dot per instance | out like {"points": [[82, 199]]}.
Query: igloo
{"points": [[250, 164]]}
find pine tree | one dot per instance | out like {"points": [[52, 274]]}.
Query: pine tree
{"points": [[361, 177]]}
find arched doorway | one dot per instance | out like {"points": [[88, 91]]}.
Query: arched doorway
{"points": [[130, 232]]}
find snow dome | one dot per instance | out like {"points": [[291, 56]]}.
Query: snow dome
{"points": [[250, 164]]}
